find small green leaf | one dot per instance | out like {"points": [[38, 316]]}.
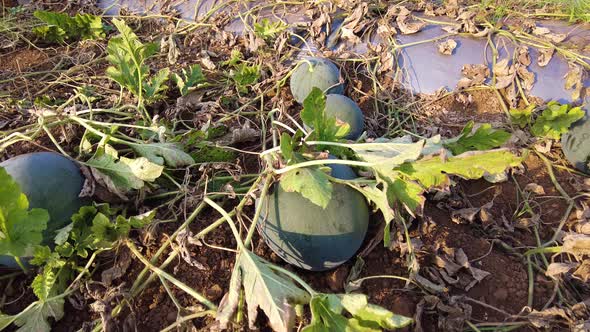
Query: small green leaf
{"points": [[287, 147], [189, 79], [556, 120], [127, 55], [43, 283], [327, 315], [268, 30], [311, 182], [245, 75], [20, 228], [484, 138], [155, 86], [522, 118]]}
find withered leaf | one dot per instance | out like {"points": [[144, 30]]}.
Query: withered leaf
{"points": [[452, 29], [447, 47], [545, 56], [473, 75], [534, 188], [527, 77], [574, 80], [404, 24], [583, 271], [523, 55], [548, 35], [577, 245], [556, 269]]}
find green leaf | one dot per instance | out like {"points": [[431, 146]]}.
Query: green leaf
{"points": [[189, 79], [142, 220], [20, 228], [311, 182], [325, 128], [106, 233], [43, 283], [158, 153], [127, 54], [6, 320], [34, 319], [408, 193], [245, 75], [470, 165], [323, 318], [522, 118], [81, 234], [555, 120], [327, 315], [287, 147], [484, 138], [155, 86], [264, 288], [61, 27], [378, 196], [124, 174], [235, 57], [268, 30], [358, 306]]}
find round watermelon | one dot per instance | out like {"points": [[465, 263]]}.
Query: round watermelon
{"points": [[315, 72], [51, 182], [310, 237], [576, 145]]}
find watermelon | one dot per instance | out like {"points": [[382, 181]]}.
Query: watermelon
{"points": [[576, 144], [322, 74], [310, 237], [51, 182]]}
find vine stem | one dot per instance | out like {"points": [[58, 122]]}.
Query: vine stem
{"points": [[168, 277]]}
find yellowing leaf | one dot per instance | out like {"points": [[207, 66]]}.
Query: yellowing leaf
{"points": [[158, 153], [470, 165], [310, 182], [124, 174], [556, 120]]}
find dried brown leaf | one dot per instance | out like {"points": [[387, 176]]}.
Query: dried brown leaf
{"points": [[527, 77], [447, 47], [577, 245], [534, 188], [583, 271], [523, 55], [404, 24], [554, 270], [545, 56], [574, 80]]}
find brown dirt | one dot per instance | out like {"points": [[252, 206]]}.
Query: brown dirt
{"points": [[22, 60]]}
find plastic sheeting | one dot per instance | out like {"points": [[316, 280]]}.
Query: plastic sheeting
{"points": [[425, 69]]}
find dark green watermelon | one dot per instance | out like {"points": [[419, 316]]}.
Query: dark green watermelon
{"points": [[307, 236], [51, 182], [322, 74], [576, 144]]}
